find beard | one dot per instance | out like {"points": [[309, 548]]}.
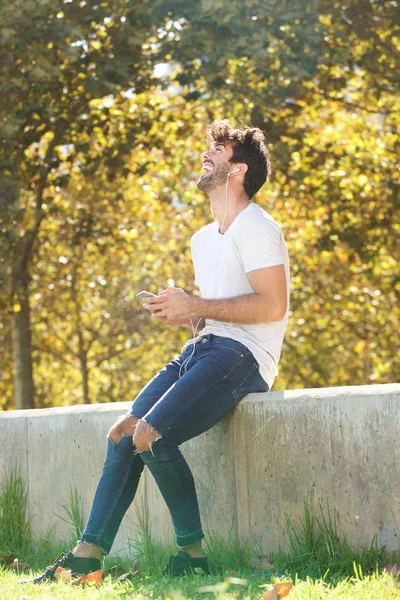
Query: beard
{"points": [[208, 182]]}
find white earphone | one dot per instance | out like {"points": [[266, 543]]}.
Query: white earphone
{"points": [[235, 171]]}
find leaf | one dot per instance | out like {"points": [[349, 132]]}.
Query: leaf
{"points": [[280, 590], [393, 570], [7, 560], [17, 566], [134, 571], [283, 589], [270, 594]]}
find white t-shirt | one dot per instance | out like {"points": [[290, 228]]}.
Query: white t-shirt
{"points": [[254, 240]]}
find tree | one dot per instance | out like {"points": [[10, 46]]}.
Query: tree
{"points": [[102, 242], [320, 80], [77, 54]]}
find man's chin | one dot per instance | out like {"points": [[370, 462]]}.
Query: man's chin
{"points": [[205, 182]]}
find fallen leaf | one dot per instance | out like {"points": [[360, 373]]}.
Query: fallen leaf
{"points": [[237, 580], [7, 560], [270, 594], [92, 579], [392, 569], [265, 563], [17, 566], [62, 574], [122, 577], [283, 589], [115, 571], [134, 571], [125, 576]]}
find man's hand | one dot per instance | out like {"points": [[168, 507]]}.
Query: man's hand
{"points": [[171, 306]]}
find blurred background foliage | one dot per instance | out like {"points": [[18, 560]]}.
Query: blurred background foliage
{"points": [[103, 111]]}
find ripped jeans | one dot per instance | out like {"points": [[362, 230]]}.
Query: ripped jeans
{"points": [[180, 405]]}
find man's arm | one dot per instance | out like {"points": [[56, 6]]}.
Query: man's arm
{"points": [[191, 323], [267, 304]]}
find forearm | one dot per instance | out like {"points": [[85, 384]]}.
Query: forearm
{"points": [[249, 308]]}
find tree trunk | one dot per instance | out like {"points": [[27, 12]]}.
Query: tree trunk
{"points": [[85, 380], [84, 367], [24, 390]]}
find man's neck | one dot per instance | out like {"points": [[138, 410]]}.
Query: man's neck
{"points": [[236, 203]]}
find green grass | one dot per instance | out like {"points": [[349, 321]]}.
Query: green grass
{"points": [[320, 563], [373, 587], [315, 545], [73, 512], [150, 554], [317, 550], [15, 528]]}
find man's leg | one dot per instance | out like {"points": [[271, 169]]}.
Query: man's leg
{"points": [[219, 375], [171, 461], [118, 483], [122, 469], [182, 421], [114, 494]]}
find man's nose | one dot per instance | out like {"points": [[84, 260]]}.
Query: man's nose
{"points": [[205, 155]]}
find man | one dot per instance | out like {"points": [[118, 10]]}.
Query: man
{"points": [[242, 270]]}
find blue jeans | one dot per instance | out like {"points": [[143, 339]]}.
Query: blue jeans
{"points": [[180, 404]]}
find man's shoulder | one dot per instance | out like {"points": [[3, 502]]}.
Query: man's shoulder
{"points": [[258, 217], [203, 231]]}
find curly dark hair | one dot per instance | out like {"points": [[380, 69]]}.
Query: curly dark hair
{"points": [[248, 146]]}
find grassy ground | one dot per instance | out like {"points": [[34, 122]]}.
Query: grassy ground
{"points": [[320, 564], [243, 586], [238, 572]]}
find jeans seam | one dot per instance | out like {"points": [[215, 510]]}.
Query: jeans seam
{"points": [[203, 391], [130, 411], [249, 374], [117, 497], [95, 537], [228, 348], [177, 481], [223, 340], [200, 536]]}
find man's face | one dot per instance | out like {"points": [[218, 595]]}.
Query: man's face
{"points": [[216, 166]]}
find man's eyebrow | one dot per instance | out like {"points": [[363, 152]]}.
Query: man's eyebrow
{"points": [[217, 144]]}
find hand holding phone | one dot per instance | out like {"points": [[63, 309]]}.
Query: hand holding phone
{"points": [[144, 294]]}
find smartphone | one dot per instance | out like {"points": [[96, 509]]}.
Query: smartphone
{"points": [[144, 294]]}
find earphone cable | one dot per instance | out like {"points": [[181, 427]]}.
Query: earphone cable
{"points": [[194, 331], [226, 202]]}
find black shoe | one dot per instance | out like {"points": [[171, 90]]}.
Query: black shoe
{"points": [[183, 564], [77, 566]]}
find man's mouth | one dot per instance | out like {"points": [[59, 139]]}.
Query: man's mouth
{"points": [[207, 166]]}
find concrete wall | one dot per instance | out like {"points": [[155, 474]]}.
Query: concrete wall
{"points": [[335, 446]]}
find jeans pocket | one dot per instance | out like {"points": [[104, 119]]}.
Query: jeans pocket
{"points": [[221, 347], [252, 383], [230, 344]]}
